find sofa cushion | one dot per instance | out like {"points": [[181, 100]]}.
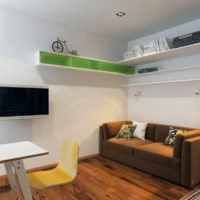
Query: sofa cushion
{"points": [[124, 146], [126, 131], [150, 131], [158, 153], [170, 139], [161, 133], [112, 128], [140, 130]]}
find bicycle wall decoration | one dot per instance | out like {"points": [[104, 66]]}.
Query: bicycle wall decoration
{"points": [[60, 46]]}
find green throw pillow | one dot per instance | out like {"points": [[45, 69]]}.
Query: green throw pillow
{"points": [[172, 136], [126, 131]]}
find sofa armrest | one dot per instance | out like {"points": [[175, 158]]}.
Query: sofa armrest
{"points": [[109, 130], [101, 139], [179, 141], [190, 162]]}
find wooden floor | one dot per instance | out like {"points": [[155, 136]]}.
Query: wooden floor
{"points": [[102, 179]]}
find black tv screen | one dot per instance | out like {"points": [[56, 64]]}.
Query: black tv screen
{"points": [[18, 101]]}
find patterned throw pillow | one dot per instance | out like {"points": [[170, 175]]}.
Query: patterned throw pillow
{"points": [[126, 131], [172, 136]]}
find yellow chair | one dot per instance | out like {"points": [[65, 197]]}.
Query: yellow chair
{"points": [[64, 173]]}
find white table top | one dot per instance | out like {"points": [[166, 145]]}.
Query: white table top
{"points": [[20, 150]]}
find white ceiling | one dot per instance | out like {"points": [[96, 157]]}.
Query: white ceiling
{"points": [[143, 16]]}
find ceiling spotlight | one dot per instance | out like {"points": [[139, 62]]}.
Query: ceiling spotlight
{"points": [[120, 14]]}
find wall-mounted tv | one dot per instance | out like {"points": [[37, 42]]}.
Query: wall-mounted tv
{"points": [[23, 102]]}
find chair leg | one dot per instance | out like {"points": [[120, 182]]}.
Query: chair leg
{"points": [[34, 193], [75, 191], [40, 194], [61, 192], [18, 197]]}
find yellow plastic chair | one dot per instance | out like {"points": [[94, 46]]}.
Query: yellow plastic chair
{"points": [[64, 173]]}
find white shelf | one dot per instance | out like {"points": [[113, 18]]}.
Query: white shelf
{"points": [[161, 82], [172, 53], [166, 71], [76, 68], [80, 69]]}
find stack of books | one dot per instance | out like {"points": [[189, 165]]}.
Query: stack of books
{"points": [[147, 70], [128, 54], [152, 47], [165, 44], [138, 51], [157, 46]]}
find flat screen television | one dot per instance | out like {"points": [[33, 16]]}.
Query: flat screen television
{"points": [[23, 102]]}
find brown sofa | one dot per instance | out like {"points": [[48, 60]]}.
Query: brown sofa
{"points": [[179, 164]]}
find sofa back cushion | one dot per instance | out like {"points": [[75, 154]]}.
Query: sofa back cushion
{"points": [[162, 131], [150, 132], [112, 128]]}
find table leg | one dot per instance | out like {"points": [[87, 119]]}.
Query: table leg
{"points": [[21, 176], [11, 176]]}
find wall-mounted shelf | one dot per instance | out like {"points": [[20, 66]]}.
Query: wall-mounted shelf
{"points": [[172, 53], [56, 60], [161, 82], [24, 85], [166, 71]]}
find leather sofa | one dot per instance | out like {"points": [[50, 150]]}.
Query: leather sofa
{"points": [[179, 164]]}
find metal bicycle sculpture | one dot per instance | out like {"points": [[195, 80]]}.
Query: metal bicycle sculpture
{"points": [[59, 45]]}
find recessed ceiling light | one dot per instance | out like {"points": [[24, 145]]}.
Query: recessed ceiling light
{"points": [[120, 14]]}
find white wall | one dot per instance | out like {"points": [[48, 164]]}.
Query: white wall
{"points": [[79, 101], [173, 103]]}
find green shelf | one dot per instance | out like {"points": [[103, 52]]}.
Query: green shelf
{"points": [[68, 61]]}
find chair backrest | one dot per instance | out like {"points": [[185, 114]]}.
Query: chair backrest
{"points": [[69, 157]]}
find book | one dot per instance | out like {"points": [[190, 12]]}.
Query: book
{"points": [[150, 48], [157, 46], [128, 54], [138, 51], [147, 70], [164, 44]]}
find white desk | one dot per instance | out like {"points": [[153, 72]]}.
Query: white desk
{"points": [[11, 155]]}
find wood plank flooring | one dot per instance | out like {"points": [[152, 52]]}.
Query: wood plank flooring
{"points": [[102, 179]]}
